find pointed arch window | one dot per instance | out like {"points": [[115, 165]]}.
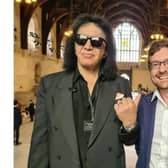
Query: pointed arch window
{"points": [[34, 42], [50, 48], [31, 35], [127, 40]]}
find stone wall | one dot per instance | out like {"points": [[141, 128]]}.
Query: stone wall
{"points": [[28, 69]]}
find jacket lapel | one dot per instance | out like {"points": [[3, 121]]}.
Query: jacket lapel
{"points": [[62, 107], [149, 124], [104, 106]]}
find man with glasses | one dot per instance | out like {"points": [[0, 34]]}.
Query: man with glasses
{"points": [[79, 121], [152, 147]]}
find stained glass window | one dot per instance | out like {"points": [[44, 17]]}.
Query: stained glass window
{"points": [[127, 40]]}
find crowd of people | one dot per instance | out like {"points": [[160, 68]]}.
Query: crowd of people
{"points": [[22, 113]]}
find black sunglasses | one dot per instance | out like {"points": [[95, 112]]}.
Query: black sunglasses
{"points": [[81, 39]]}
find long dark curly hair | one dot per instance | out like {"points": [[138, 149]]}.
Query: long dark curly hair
{"points": [[109, 63]]}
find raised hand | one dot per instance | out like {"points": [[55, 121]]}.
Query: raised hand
{"points": [[126, 110]]}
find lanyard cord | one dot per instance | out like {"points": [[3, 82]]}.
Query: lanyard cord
{"points": [[93, 99], [92, 108]]}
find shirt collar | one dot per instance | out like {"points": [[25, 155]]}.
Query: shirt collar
{"points": [[156, 95], [77, 75]]}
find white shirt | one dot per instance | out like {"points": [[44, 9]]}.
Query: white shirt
{"points": [[159, 150]]}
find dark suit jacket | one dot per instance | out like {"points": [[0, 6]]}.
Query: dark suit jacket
{"points": [[31, 108], [146, 117], [54, 143], [17, 117]]}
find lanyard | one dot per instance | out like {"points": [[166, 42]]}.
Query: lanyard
{"points": [[93, 99], [92, 108]]}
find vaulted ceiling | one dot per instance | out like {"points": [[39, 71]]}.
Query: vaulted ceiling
{"points": [[145, 15]]}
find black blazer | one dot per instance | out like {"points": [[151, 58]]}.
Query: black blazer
{"points": [[54, 143], [17, 117]]}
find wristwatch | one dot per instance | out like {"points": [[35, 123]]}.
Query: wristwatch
{"points": [[129, 129]]}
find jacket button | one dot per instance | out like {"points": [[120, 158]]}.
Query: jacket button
{"points": [[59, 157], [109, 149]]}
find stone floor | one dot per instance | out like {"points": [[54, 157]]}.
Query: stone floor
{"points": [[21, 151]]}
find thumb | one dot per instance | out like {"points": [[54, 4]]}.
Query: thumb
{"points": [[137, 99]]}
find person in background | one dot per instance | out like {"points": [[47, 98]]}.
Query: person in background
{"points": [[31, 110], [79, 119], [152, 147], [17, 122]]}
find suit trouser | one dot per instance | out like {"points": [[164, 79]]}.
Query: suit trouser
{"points": [[16, 134]]}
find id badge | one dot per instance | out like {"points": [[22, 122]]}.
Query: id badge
{"points": [[87, 125]]}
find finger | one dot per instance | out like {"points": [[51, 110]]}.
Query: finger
{"points": [[125, 100], [137, 99], [116, 107], [119, 102]]}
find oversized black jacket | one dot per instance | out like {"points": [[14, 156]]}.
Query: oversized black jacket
{"points": [[54, 142]]}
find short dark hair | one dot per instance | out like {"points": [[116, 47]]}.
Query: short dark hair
{"points": [[15, 102], [156, 46], [109, 63]]}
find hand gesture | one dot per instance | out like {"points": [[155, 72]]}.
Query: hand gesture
{"points": [[126, 110]]}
